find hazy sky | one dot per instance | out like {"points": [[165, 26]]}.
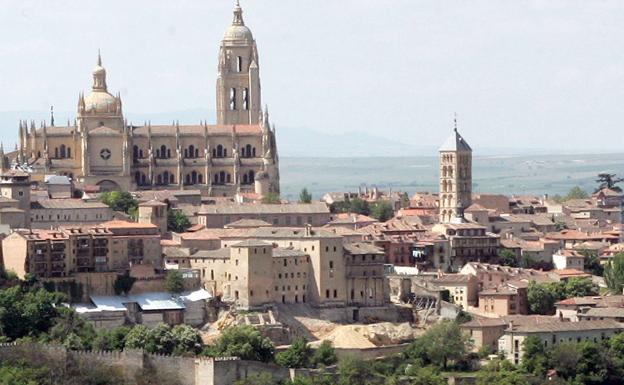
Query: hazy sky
{"points": [[546, 74]]}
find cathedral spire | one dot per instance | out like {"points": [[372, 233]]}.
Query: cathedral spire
{"points": [[99, 75], [238, 14], [51, 116]]}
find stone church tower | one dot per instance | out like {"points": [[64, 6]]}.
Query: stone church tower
{"points": [[238, 80], [455, 178]]}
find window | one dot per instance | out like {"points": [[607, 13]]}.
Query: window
{"points": [[331, 264], [239, 64], [232, 99], [245, 98], [327, 293]]}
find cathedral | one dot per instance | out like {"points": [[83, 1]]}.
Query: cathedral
{"points": [[236, 155]]}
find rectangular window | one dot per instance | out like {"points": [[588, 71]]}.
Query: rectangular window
{"points": [[239, 64], [232, 98], [245, 98]]}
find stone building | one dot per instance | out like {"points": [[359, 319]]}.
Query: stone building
{"points": [[455, 177], [63, 252], [238, 154]]}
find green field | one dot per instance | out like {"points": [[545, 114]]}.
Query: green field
{"points": [[539, 174]]}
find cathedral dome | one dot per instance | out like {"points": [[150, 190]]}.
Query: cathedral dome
{"points": [[238, 30], [100, 102]]}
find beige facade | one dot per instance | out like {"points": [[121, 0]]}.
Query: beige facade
{"points": [[66, 251], [510, 344], [48, 213], [15, 195], [290, 214], [238, 154], [462, 288]]}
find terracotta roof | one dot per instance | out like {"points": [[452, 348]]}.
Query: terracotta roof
{"points": [[481, 322], [251, 243], [118, 224], [359, 248], [287, 208], [615, 312], [66, 203], [247, 223]]}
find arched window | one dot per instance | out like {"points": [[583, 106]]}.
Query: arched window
{"points": [[253, 152], [194, 177], [228, 178], [135, 151], [62, 151], [168, 153], [216, 179], [165, 177], [191, 151], [225, 152], [200, 178], [197, 152], [141, 154], [171, 179], [163, 151], [252, 176], [56, 152], [232, 98], [248, 151], [219, 151], [222, 177], [186, 153], [245, 98], [143, 179], [245, 181], [239, 64], [69, 152], [157, 153], [188, 179]]}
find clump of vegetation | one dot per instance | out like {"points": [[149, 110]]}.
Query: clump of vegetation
{"points": [[541, 297], [305, 196], [120, 201], [177, 221]]}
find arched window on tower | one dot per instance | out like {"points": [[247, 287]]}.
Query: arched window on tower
{"points": [[200, 178], [165, 177], [163, 151], [232, 98], [194, 177], [56, 152], [171, 179], [239, 64], [191, 151], [69, 152], [247, 151], [245, 98], [219, 152], [168, 153], [253, 152]]}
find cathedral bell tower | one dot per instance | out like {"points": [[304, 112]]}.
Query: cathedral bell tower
{"points": [[238, 80], [455, 178]]}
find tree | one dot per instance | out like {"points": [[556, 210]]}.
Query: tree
{"points": [[187, 339], [137, 337], [579, 287], [120, 201], [382, 211], [427, 375], [609, 181], [26, 311], [298, 355], [534, 359], [174, 283], [271, 198], [564, 358], [123, 283], [305, 196], [501, 372], [354, 371], [462, 317], [359, 206], [508, 258], [576, 193], [72, 330], [177, 221], [111, 340], [614, 274], [244, 342], [540, 298], [439, 344], [324, 355], [160, 340]]}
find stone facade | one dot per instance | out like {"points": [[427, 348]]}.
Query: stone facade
{"points": [[238, 154], [455, 177]]}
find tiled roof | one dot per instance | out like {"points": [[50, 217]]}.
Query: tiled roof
{"points": [[66, 203], [287, 208], [479, 322], [554, 327], [117, 224], [247, 223], [251, 243], [359, 248], [615, 312]]}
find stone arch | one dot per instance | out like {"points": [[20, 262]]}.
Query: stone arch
{"points": [[108, 185]]}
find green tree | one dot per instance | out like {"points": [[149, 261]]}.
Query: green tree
{"points": [[324, 355], [359, 206], [298, 355], [174, 283], [123, 283], [354, 371], [382, 211], [305, 196], [26, 311], [576, 193], [508, 258], [614, 273], [187, 340], [427, 375], [501, 372], [271, 198], [244, 342], [579, 287], [177, 221], [540, 298], [111, 340], [137, 337], [534, 359], [120, 201], [160, 340], [463, 317], [564, 358], [72, 330], [610, 181], [592, 262], [441, 343]]}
